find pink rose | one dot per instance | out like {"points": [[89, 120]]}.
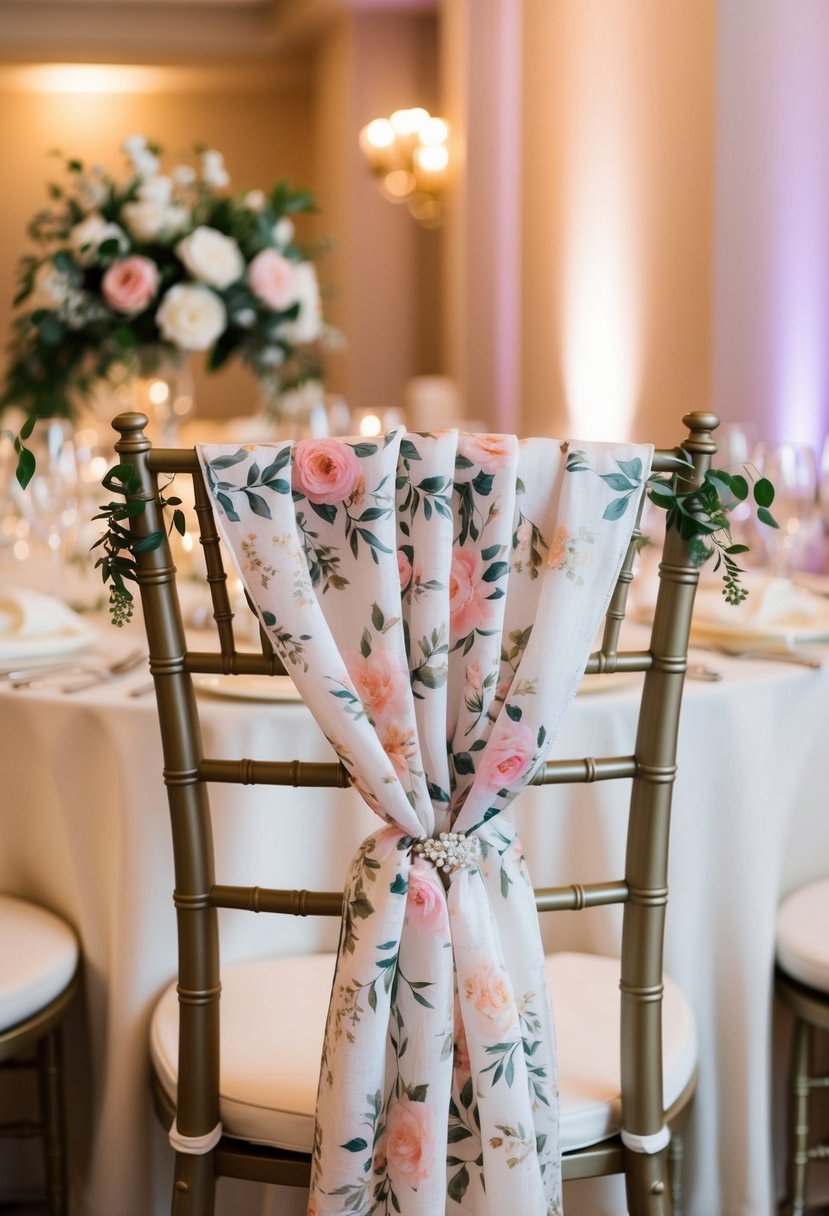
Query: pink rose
{"points": [[130, 284], [410, 1143], [506, 758], [326, 470], [271, 278], [469, 607], [491, 452], [426, 900], [380, 684], [487, 991], [404, 569]]}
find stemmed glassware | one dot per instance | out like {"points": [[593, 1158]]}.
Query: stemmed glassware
{"points": [[792, 470], [50, 501]]}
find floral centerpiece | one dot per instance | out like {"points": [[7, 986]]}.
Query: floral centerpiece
{"points": [[160, 265]]}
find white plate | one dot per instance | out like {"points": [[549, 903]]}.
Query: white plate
{"points": [[249, 687], [611, 682], [15, 652]]}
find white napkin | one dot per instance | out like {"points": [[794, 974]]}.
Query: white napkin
{"points": [[33, 625], [776, 610]]}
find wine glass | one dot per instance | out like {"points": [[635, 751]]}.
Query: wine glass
{"points": [[792, 470], [50, 501]]}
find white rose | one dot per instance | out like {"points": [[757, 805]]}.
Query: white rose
{"points": [[184, 175], [177, 219], [308, 325], [254, 200], [133, 144], [144, 220], [213, 170], [283, 232], [50, 288], [211, 257], [158, 189], [191, 316], [87, 236]]}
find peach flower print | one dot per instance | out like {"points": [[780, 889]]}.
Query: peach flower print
{"points": [[426, 901], [469, 607], [506, 758], [410, 1142], [404, 569], [398, 743], [558, 549], [379, 682], [461, 1047], [325, 470], [491, 452], [486, 989], [129, 285]]}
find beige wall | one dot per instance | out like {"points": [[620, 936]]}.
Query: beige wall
{"points": [[618, 164], [265, 134], [385, 269]]}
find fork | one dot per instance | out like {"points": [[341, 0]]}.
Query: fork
{"points": [[111, 671]]}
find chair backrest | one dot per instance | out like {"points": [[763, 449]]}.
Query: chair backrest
{"points": [[187, 772]]}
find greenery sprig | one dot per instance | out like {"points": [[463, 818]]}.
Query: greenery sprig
{"points": [[120, 547], [701, 516]]}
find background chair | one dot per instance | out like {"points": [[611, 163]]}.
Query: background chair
{"points": [[802, 983], [38, 979], [240, 1094]]}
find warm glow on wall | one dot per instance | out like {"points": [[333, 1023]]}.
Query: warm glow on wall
{"points": [[87, 78], [602, 275]]}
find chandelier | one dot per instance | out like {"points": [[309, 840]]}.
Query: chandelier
{"points": [[408, 154]]}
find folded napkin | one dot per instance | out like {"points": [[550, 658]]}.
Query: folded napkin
{"points": [[34, 625], [776, 610]]}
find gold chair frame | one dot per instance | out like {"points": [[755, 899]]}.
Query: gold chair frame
{"points": [[810, 1009], [653, 1180]]}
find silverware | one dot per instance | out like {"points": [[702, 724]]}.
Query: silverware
{"points": [[698, 671], [92, 676]]}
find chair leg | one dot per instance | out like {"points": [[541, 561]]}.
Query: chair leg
{"points": [[646, 1184], [798, 1160], [676, 1158], [194, 1189], [50, 1078]]}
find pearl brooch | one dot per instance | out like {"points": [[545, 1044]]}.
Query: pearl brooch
{"points": [[450, 851]]}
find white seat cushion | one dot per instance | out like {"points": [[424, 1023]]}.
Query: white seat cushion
{"points": [[273, 1020], [38, 957], [802, 937]]}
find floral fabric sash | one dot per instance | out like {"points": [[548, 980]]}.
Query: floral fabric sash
{"points": [[434, 598]]}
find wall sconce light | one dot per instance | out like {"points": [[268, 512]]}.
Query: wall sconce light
{"points": [[408, 154]]}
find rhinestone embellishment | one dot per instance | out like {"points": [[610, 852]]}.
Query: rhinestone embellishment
{"points": [[450, 851]]}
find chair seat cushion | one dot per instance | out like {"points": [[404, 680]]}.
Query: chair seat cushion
{"points": [[802, 938], [38, 957], [273, 1021]]}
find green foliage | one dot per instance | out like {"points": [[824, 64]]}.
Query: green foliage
{"points": [[701, 516], [118, 544]]}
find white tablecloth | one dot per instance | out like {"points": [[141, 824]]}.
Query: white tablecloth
{"points": [[85, 830]]}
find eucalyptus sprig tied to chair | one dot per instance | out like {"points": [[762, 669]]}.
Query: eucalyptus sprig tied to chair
{"points": [[434, 598]]}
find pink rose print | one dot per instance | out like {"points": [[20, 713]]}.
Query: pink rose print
{"points": [[129, 285], [380, 684], [487, 991], [507, 758], [271, 278], [325, 470], [410, 1144], [404, 569], [469, 607], [491, 452], [426, 901], [400, 747]]}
